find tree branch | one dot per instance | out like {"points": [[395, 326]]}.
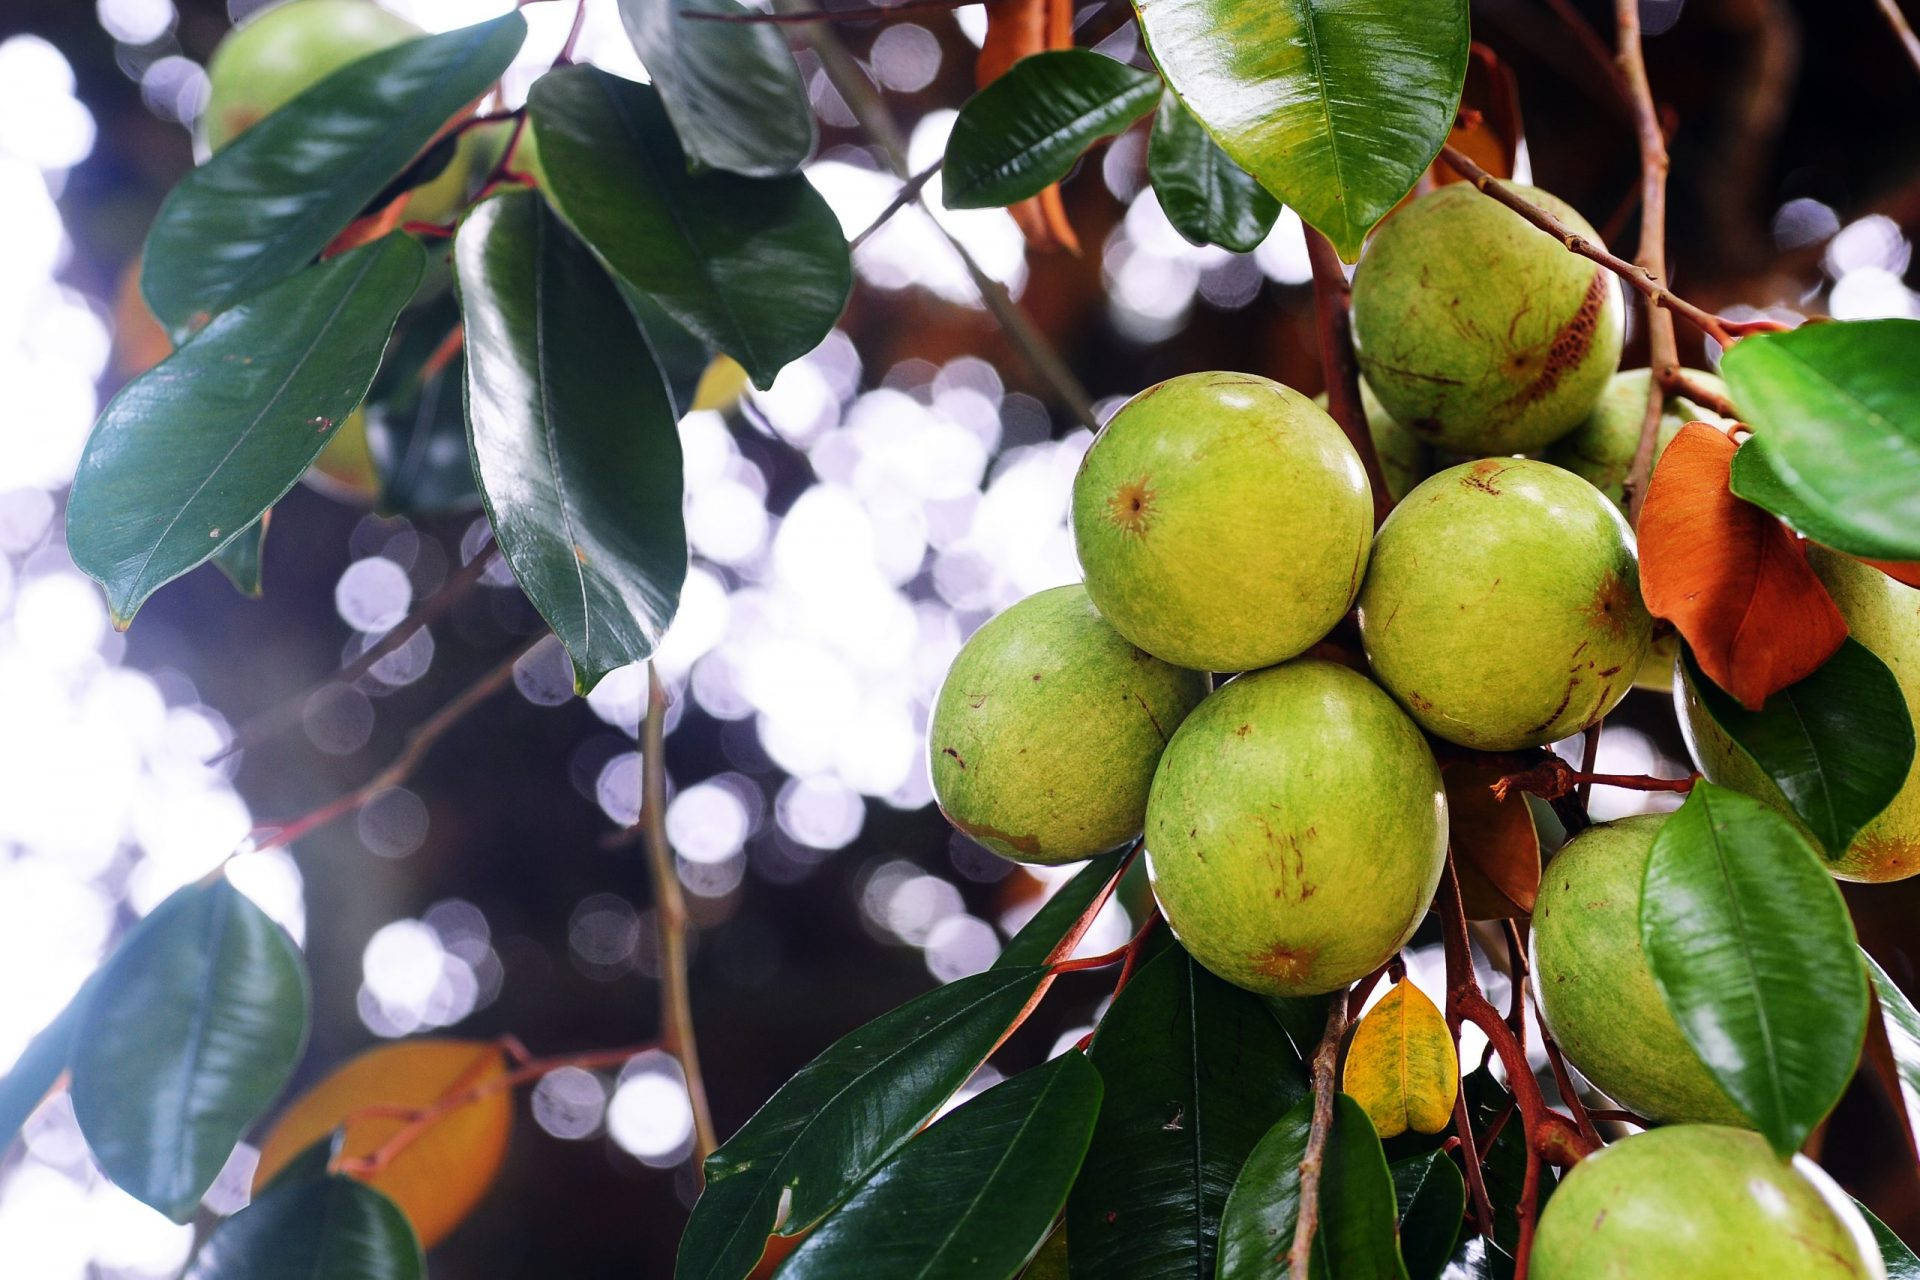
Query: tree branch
{"points": [[670, 914], [1325, 1058], [1333, 317], [1898, 21], [1553, 778]]}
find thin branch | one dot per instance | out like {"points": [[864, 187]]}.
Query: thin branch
{"points": [[1663, 354], [1325, 1058], [1898, 21], [864, 101], [1589, 757], [670, 914], [1725, 332], [1332, 310], [418, 743], [286, 713], [565, 57], [1522, 975], [908, 194], [853, 13], [1686, 383], [1553, 778], [1592, 46]]}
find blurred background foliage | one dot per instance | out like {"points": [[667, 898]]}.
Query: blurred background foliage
{"points": [[850, 527]]}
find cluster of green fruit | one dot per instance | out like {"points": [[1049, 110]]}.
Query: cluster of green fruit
{"points": [[1295, 827]]}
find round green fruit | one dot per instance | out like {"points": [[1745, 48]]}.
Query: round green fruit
{"points": [[1502, 606], [1222, 521], [345, 469], [1600, 450], [1404, 457], [1045, 734], [1703, 1202], [1597, 994], [1479, 331], [1883, 615], [1296, 830]]}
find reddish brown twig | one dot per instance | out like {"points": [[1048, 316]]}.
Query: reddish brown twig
{"points": [[1333, 316], [1325, 1059], [1127, 951], [1522, 976], [852, 13], [1685, 383], [1553, 778], [1617, 1115]]}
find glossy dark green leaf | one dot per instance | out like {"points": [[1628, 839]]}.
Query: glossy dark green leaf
{"points": [[1355, 1240], [682, 358], [1039, 936], [1754, 953], [416, 417], [39, 1065], [1902, 1023], [1754, 479], [573, 437], [1503, 1164], [1836, 415], [1196, 1072], [1303, 1018], [757, 267], [240, 559], [279, 193], [1023, 132], [1336, 106], [1899, 1260], [1432, 1198], [974, 1196], [197, 1022], [1206, 196], [842, 1115], [332, 1228], [732, 89], [1838, 744], [191, 452]]}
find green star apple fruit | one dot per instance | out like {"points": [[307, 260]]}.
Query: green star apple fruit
{"points": [[1700, 1202], [1596, 991], [1296, 830], [1222, 521], [1404, 457], [1883, 615], [1502, 605], [1045, 734], [1480, 332]]}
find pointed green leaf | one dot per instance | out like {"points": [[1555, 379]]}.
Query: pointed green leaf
{"points": [[573, 437], [194, 450], [1023, 132], [1753, 951], [1206, 196], [1838, 744], [279, 193], [1040, 935], [1899, 1260], [1355, 1240], [38, 1068], [1196, 1072], [757, 267], [1835, 410], [974, 1196], [1336, 107], [1754, 479], [1902, 1023], [682, 358], [332, 1228], [197, 1022], [732, 89], [240, 559], [1432, 1200], [827, 1129]]}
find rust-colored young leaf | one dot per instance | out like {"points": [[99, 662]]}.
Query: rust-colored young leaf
{"points": [[1488, 127], [440, 1175], [1730, 576], [1402, 1067], [1016, 28], [1495, 846]]}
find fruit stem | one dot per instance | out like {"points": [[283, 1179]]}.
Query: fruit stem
{"points": [[1554, 778], [1333, 316], [1325, 1058]]}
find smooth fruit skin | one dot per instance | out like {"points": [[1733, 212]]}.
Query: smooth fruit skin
{"points": [[266, 61], [1404, 457], [1883, 615], [1502, 607], [1700, 1202], [1600, 450], [1222, 521], [1479, 331], [1297, 829], [1045, 734], [1596, 990]]}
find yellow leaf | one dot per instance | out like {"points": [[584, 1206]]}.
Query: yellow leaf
{"points": [[1401, 1067], [439, 1176]]}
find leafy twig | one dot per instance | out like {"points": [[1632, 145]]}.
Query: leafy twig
{"points": [[1333, 317], [1325, 1058]]}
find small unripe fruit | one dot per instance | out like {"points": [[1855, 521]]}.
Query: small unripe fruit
{"points": [[1600, 450], [1502, 606], [1596, 989], [1296, 830], [1222, 521], [1883, 615], [1045, 735], [1479, 331], [1701, 1202]]}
